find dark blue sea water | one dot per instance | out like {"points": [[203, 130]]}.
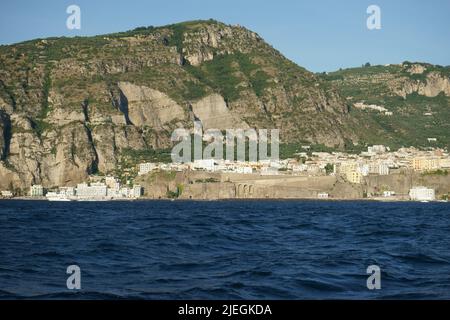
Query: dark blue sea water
{"points": [[224, 250]]}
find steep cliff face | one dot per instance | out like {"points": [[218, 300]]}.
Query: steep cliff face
{"points": [[430, 86], [70, 107], [60, 157], [149, 107], [5, 132], [213, 112]]}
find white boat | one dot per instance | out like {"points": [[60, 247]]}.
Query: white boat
{"points": [[53, 196]]}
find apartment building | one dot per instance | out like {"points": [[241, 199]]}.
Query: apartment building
{"points": [[37, 191], [426, 164], [145, 168], [354, 177], [422, 194]]}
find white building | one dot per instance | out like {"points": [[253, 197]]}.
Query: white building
{"points": [[244, 170], [269, 171], [145, 168], [300, 168], [95, 190], [125, 192], [68, 191], [377, 149], [323, 195], [204, 164], [364, 169], [445, 163], [381, 169], [37, 191], [388, 194], [111, 182], [422, 194], [276, 164], [137, 191], [7, 194]]}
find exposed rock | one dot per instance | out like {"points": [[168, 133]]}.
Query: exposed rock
{"points": [[435, 84], [71, 159], [201, 43], [111, 140], [21, 123], [213, 112], [417, 69], [60, 116], [199, 57], [5, 107], [204, 41], [24, 157], [150, 107], [9, 179]]}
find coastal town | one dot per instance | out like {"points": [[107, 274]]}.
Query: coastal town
{"points": [[352, 169], [378, 160], [110, 189]]}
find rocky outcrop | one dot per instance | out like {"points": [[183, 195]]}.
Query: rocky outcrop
{"points": [[60, 116], [213, 112], [65, 157], [417, 69], [111, 141], [149, 107], [205, 41], [72, 157], [433, 84], [5, 107]]}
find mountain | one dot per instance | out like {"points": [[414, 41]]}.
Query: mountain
{"points": [[71, 107], [75, 106], [416, 97]]}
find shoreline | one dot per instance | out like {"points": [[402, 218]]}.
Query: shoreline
{"points": [[144, 199]]}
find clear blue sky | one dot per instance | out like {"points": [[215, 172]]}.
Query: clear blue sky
{"points": [[321, 35]]}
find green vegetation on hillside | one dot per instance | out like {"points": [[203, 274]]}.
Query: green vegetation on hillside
{"points": [[226, 73], [40, 123], [415, 118]]}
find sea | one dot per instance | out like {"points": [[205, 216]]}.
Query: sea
{"points": [[224, 250]]}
